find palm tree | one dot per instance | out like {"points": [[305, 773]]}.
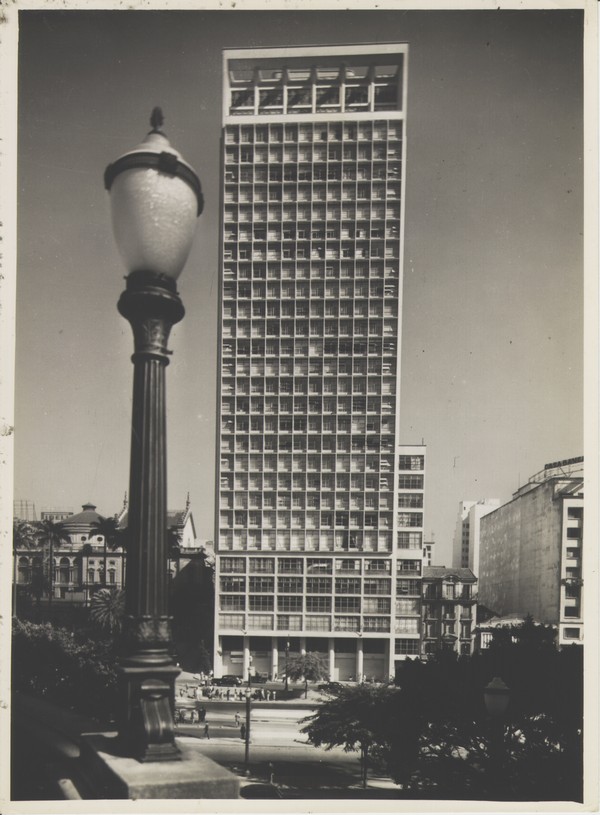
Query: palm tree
{"points": [[51, 534], [23, 538], [113, 536], [107, 609]]}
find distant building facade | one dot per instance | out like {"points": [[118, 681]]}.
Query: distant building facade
{"points": [[449, 610], [74, 570], [428, 553], [465, 546], [55, 515], [531, 551]]}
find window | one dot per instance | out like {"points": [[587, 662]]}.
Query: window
{"points": [[232, 602], [347, 623], [262, 584], [575, 513], [413, 566], [407, 647], [347, 605], [289, 603], [408, 587], [377, 586], [410, 519], [410, 482], [289, 585], [410, 540], [571, 633], [318, 585], [378, 566], [260, 603], [347, 585], [262, 564], [407, 625], [410, 500], [233, 564], [412, 462], [318, 604], [376, 605], [233, 584], [407, 608], [290, 565]]}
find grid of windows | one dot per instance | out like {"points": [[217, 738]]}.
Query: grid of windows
{"points": [[310, 345]]}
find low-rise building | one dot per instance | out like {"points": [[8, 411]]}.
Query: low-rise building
{"points": [[449, 608]]}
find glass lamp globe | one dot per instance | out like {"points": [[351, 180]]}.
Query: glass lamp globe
{"points": [[495, 696], [155, 199]]}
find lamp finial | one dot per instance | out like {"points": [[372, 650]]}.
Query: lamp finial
{"points": [[157, 119]]}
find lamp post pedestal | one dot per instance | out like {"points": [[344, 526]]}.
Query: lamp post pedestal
{"points": [[147, 673]]}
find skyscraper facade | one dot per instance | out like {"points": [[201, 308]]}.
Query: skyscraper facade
{"points": [[319, 509]]}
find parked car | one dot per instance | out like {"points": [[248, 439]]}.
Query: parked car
{"points": [[228, 680]]}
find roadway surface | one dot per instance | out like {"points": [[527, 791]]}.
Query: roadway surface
{"points": [[278, 750]]}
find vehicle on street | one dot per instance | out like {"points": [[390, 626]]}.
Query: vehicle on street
{"points": [[228, 680]]}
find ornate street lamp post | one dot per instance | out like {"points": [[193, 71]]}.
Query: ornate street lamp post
{"points": [[247, 738], [155, 200], [287, 656], [496, 696]]}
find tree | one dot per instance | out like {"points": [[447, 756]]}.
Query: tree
{"points": [[107, 609], [112, 534], [23, 538], [50, 534], [309, 667], [355, 718]]}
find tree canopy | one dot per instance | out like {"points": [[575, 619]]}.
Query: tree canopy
{"points": [[432, 734]]}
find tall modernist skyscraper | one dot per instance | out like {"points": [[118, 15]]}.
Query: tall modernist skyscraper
{"points": [[319, 509]]}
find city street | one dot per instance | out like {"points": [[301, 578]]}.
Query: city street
{"points": [[279, 752]]}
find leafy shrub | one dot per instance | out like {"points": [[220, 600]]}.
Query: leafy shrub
{"points": [[71, 670]]}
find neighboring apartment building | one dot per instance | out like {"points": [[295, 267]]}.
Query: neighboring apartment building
{"points": [[531, 553], [465, 546], [319, 512], [428, 553], [449, 610]]}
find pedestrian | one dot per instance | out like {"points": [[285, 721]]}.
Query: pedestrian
{"points": [[202, 714], [207, 731], [193, 716], [237, 719], [274, 694], [243, 732], [228, 694]]}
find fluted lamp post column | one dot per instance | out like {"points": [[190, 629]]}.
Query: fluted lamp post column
{"points": [[155, 199]]}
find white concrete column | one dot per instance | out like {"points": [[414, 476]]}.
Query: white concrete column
{"points": [[360, 663], [391, 658], [274, 657], [302, 646], [246, 662], [331, 658], [218, 663]]}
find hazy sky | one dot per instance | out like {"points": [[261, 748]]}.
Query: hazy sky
{"points": [[493, 286]]}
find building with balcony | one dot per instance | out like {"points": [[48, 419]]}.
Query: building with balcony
{"points": [[531, 551], [465, 545], [318, 536], [449, 610]]}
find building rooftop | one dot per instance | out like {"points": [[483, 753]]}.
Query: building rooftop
{"points": [[441, 572]]}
